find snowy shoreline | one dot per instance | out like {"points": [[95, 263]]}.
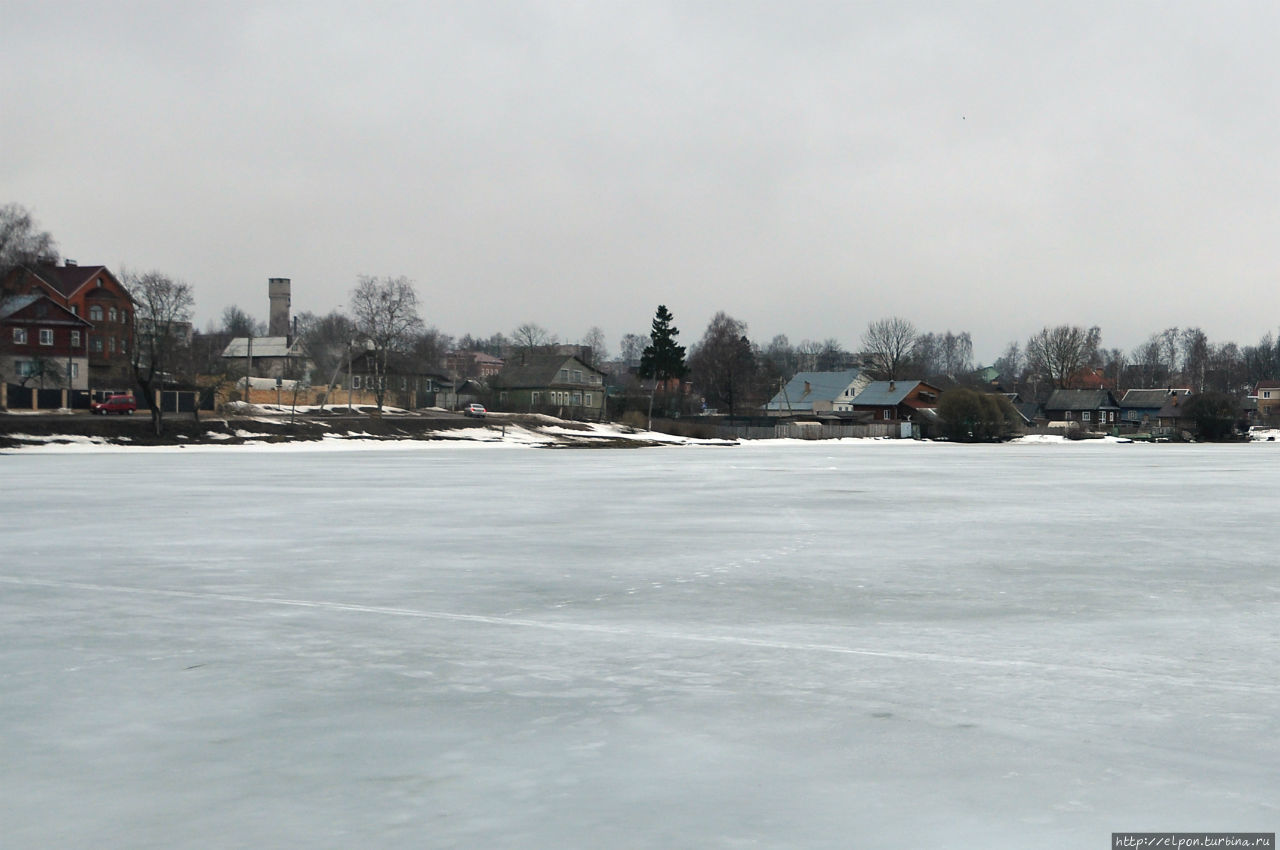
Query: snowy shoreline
{"points": [[510, 437]]}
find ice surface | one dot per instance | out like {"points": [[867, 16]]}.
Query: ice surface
{"points": [[854, 645]]}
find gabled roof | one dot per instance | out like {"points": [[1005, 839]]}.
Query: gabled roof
{"points": [[806, 387], [263, 346], [530, 371], [886, 393], [1153, 399], [67, 280], [1080, 400], [13, 305], [1267, 384], [1144, 398]]}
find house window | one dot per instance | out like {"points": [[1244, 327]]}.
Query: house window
{"points": [[535, 397], [586, 399], [114, 314], [19, 336], [75, 309], [886, 413], [123, 345], [1266, 393], [1133, 415], [95, 343], [355, 382], [95, 313], [25, 368], [46, 336], [564, 375], [75, 339], [1085, 416], [577, 376], [502, 396], [75, 369], [577, 399], [111, 344]]}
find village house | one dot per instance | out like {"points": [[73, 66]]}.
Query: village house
{"points": [[818, 392], [472, 364], [91, 293], [1140, 408], [279, 354], [898, 401], [550, 383], [42, 343], [1089, 408], [1268, 395]]}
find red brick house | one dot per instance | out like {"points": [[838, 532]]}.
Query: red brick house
{"points": [[94, 294], [42, 341]]}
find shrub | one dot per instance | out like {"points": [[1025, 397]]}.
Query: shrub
{"points": [[969, 416]]}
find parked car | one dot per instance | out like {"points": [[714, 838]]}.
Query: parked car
{"points": [[476, 410], [115, 404]]}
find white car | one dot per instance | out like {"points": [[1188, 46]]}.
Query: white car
{"points": [[476, 410]]}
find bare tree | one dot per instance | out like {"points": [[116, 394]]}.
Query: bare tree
{"points": [[723, 363], [532, 339], [238, 323], [386, 315], [1010, 364], [161, 314], [1194, 344], [782, 354], [597, 349], [327, 341], [633, 346], [430, 349], [887, 343], [1060, 352], [22, 242]]}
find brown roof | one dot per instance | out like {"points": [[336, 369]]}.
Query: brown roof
{"points": [[66, 279]]}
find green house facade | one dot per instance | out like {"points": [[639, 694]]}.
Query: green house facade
{"points": [[556, 384]]}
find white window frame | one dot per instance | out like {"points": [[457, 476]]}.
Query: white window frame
{"points": [[19, 336], [75, 339], [1086, 416], [355, 382], [95, 313], [586, 399], [46, 336]]}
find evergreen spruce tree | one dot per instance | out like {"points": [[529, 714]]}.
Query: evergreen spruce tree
{"points": [[662, 358]]}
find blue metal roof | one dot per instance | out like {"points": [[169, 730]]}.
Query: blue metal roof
{"points": [[806, 387]]}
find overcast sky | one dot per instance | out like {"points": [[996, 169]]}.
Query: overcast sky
{"points": [[805, 167]]}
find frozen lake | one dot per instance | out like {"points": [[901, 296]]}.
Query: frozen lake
{"points": [[854, 645]]}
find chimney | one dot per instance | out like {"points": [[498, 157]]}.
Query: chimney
{"points": [[892, 385], [69, 263], [278, 292]]}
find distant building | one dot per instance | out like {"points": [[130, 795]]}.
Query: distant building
{"points": [[279, 354], [551, 383], [818, 392], [91, 293], [42, 343]]}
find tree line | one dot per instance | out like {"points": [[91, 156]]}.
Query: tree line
{"points": [[725, 369]]}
